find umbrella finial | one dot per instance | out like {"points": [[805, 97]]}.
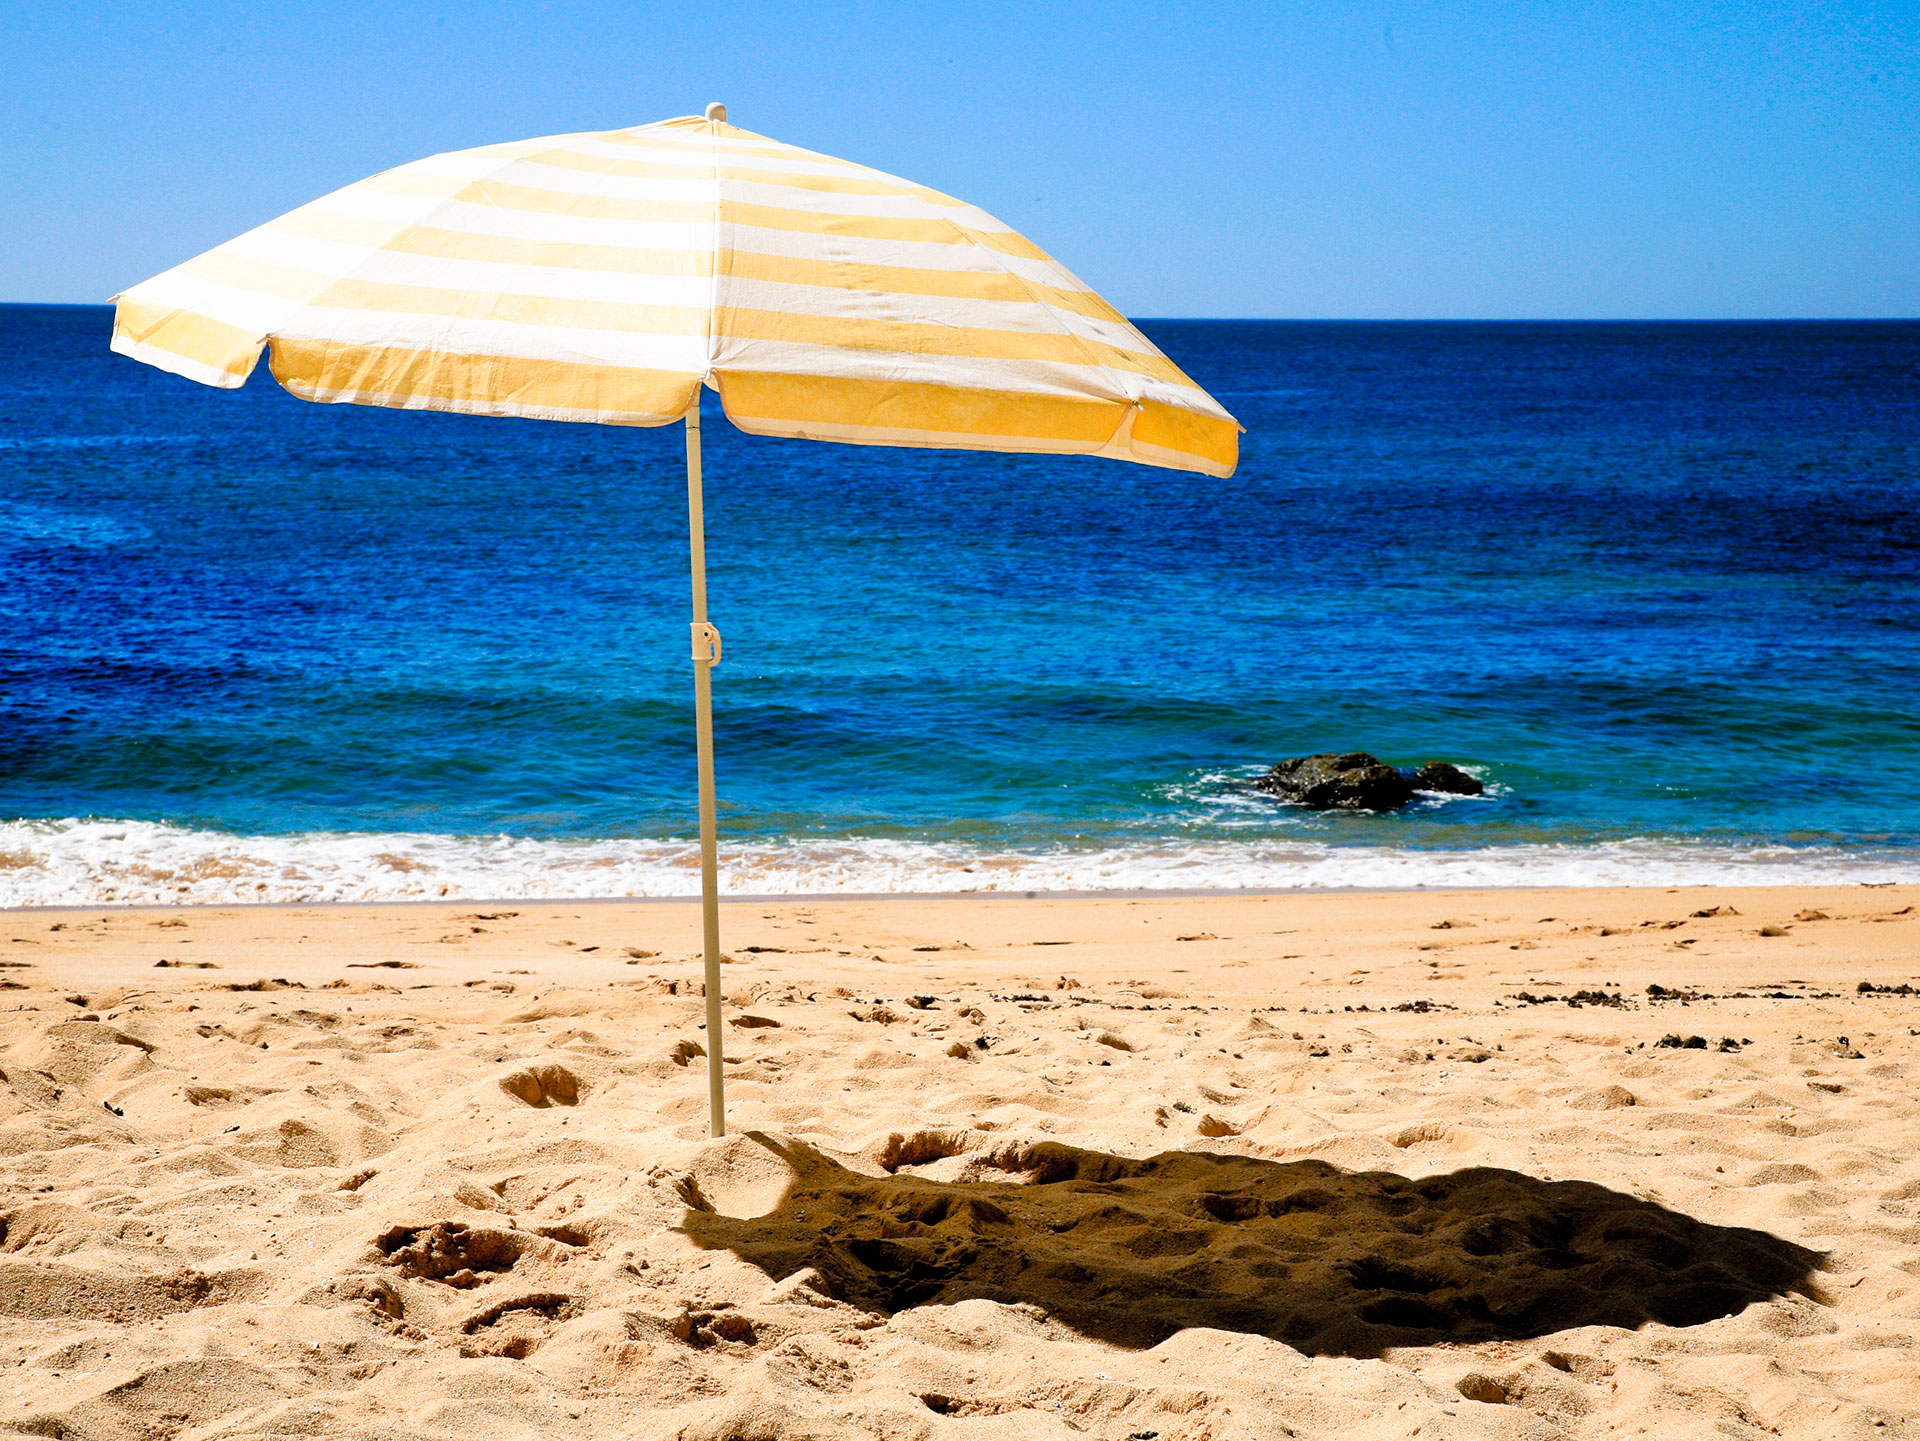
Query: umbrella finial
{"points": [[716, 111]]}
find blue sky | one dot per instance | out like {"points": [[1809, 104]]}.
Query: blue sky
{"points": [[1310, 160]]}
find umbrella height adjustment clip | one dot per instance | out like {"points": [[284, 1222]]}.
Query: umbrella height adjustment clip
{"points": [[706, 643]]}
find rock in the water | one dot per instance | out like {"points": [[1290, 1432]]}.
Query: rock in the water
{"points": [[1355, 781], [1447, 779]]}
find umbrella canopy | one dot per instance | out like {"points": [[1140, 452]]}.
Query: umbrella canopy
{"points": [[606, 276]]}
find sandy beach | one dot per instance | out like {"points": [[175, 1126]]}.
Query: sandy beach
{"points": [[1516, 1163]]}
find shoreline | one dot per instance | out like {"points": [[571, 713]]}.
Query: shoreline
{"points": [[60, 865], [877, 897]]}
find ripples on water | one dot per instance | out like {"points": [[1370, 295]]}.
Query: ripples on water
{"points": [[1658, 584]]}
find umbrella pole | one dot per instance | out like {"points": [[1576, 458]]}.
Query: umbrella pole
{"points": [[706, 655]]}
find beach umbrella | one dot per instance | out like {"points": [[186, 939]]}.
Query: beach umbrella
{"points": [[608, 276]]}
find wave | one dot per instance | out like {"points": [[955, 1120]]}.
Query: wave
{"points": [[24, 525], [93, 862]]}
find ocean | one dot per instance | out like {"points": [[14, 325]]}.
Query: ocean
{"points": [[1658, 585]]}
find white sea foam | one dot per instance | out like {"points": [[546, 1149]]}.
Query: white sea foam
{"points": [[90, 862]]}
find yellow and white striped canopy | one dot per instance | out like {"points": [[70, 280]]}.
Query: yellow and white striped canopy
{"points": [[607, 276]]}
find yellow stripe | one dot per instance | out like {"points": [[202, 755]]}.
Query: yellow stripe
{"points": [[386, 375], [911, 338], [1167, 427], [881, 227], [439, 243], [911, 280], [919, 414], [1169, 459], [533, 199], [340, 229], [800, 400], [415, 184], [198, 338]]}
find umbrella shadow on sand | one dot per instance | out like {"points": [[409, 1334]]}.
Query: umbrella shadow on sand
{"points": [[1331, 1262]]}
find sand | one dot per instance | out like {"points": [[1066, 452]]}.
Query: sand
{"points": [[1520, 1164]]}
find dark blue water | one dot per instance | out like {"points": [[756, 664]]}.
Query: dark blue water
{"points": [[1659, 584]]}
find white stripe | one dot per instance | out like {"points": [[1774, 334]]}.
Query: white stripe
{"points": [[701, 141], [175, 364], [475, 219], [680, 147], [793, 163], [1012, 317], [529, 172], [392, 267], [397, 211], [1182, 397], [476, 160], [245, 310], [422, 400], [464, 335]]}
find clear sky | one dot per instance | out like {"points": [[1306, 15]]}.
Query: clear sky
{"points": [[1354, 158]]}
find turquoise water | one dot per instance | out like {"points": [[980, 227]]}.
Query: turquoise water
{"points": [[1657, 584]]}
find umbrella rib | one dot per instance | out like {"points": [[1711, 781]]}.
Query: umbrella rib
{"points": [[713, 290]]}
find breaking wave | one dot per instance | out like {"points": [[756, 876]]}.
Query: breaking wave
{"points": [[92, 862]]}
